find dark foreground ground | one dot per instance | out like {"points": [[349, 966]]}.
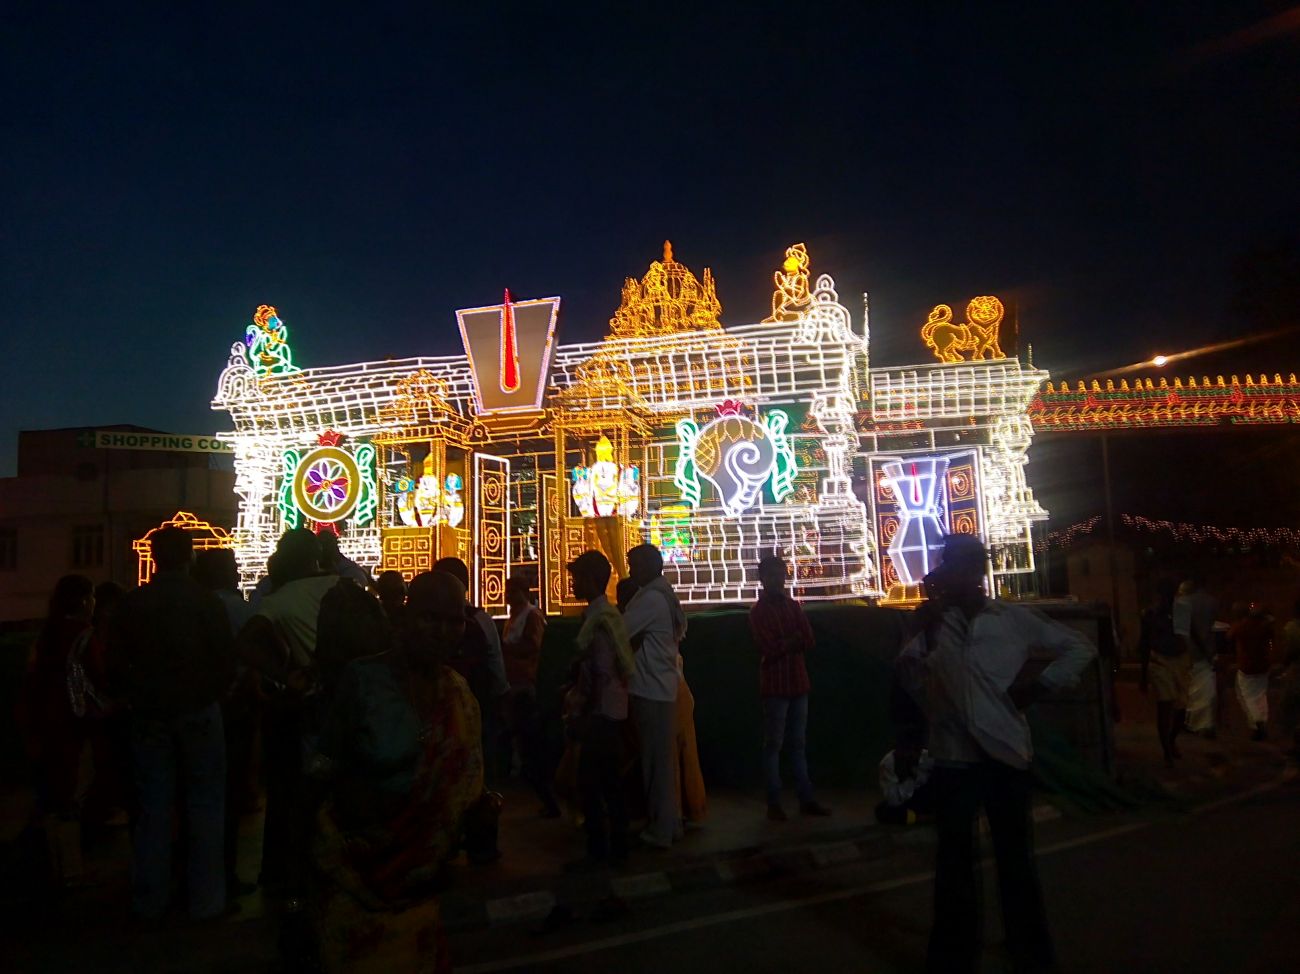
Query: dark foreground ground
{"points": [[1203, 875]]}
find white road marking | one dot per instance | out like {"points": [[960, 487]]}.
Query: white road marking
{"points": [[785, 906]]}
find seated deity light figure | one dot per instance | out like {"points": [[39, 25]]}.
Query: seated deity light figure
{"points": [[427, 498], [581, 491], [453, 505], [917, 489], [629, 491]]}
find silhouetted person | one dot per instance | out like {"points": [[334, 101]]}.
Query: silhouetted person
{"points": [[1288, 718], [655, 625], [782, 636], [1166, 667], [106, 722], [333, 560], [596, 709], [480, 662], [172, 641], [961, 671], [1251, 637], [521, 645], [279, 641], [216, 570], [390, 588], [53, 733]]}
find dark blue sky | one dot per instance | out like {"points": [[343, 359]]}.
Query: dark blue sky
{"points": [[369, 170]]}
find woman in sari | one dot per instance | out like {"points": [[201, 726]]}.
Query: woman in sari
{"points": [[401, 749]]}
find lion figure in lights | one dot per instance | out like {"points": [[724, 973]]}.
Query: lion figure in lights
{"points": [[976, 338]]}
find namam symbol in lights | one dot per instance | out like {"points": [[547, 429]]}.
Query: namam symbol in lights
{"points": [[509, 347], [916, 486], [737, 455]]}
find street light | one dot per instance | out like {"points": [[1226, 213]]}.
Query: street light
{"points": [[1159, 361]]}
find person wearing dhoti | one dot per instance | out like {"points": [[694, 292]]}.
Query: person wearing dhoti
{"points": [[1194, 612], [1251, 636]]}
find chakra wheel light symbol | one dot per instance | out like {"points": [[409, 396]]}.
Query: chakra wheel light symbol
{"points": [[327, 484]]}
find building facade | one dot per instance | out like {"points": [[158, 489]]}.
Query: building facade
{"points": [[81, 497]]}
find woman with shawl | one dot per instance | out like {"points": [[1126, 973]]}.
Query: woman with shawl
{"points": [[401, 749]]}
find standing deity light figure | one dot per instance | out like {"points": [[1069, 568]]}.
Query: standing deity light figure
{"points": [[605, 488], [917, 486]]}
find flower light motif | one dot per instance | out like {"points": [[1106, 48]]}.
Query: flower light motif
{"points": [[328, 483]]}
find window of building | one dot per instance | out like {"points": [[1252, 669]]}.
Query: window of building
{"points": [[8, 549], [88, 546]]}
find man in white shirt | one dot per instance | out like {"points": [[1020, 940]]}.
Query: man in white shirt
{"points": [[655, 625], [961, 677]]}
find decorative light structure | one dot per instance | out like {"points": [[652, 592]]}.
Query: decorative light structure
{"points": [[203, 536], [1147, 403], [512, 420]]}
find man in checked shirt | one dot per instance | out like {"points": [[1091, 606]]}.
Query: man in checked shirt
{"points": [[960, 690], [782, 635]]}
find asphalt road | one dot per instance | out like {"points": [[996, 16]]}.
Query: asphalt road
{"points": [[1217, 890]]}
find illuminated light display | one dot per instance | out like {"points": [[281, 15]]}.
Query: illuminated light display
{"points": [[670, 532], [1179, 531], [791, 298], [328, 483], [605, 488], [668, 300], [267, 339], [509, 347], [513, 342], [737, 456], [203, 535], [1145, 403], [815, 417], [919, 500], [916, 486], [977, 337]]}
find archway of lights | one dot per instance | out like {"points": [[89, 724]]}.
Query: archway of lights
{"points": [[718, 444]]}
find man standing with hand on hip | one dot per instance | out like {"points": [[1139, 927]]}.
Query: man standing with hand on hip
{"points": [[655, 625], [961, 677]]}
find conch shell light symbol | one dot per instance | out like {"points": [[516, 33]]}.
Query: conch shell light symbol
{"points": [[735, 455]]}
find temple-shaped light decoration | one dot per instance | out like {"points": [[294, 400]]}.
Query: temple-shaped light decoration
{"points": [[203, 536], [515, 415]]}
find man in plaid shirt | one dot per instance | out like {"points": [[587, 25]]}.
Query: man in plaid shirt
{"points": [[782, 635]]}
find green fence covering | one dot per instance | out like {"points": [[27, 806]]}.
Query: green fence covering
{"points": [[848, 719]]}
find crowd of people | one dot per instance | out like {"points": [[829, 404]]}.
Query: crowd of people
{"points": [[1192, 661], [387, 714]]}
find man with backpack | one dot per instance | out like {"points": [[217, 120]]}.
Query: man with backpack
{"points": [[1166, 668]]}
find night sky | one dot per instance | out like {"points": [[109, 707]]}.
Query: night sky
{"points": [[1105, 168]]}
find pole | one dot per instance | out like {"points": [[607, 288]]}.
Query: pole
{"points": [[1110, 534]]}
